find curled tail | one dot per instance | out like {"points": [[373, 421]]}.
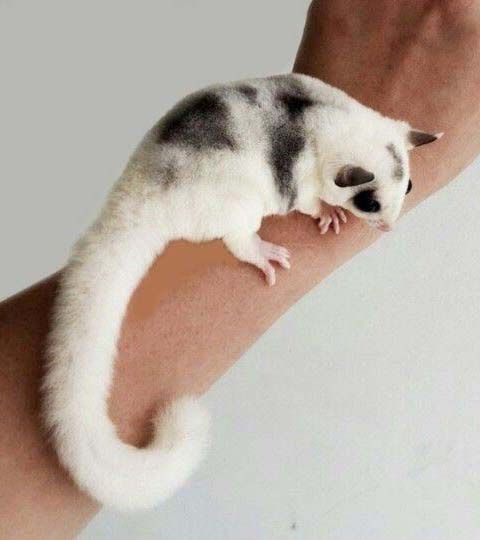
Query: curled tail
{"points": [[105, 267]]}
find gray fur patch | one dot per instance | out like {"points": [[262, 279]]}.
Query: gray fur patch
{"points": [[201, 122], [250, 93], [295, 104], [286, 143], [398, 170], [170, 174], [287, 134]]}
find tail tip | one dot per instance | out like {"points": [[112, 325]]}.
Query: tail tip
{"points": [[184, 420]]}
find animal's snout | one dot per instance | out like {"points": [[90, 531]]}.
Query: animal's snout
{"points": [[380, 225]]}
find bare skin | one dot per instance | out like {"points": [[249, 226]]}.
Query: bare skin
{"points": [[198, 309]]}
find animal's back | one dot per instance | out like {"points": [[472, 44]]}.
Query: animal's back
{"points": [[232, 141]]}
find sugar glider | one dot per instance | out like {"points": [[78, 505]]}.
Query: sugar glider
{"points": [[213, 167]]}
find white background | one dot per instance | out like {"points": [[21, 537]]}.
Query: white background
{"points": [[356, 416]]}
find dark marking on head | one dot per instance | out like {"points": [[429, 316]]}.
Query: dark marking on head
{"points": [[365, 201], [409, 187], [201, 122], [250, 93], [419, 138], [350, 176], [398, 170]]}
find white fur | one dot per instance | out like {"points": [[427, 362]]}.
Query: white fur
{"points": [[105, 268], [219, 194]]}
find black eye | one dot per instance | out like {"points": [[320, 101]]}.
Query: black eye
{"points": [[365, 201], [409, 188]]}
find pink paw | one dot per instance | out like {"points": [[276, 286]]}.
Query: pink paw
{"points": [[332, 218], [278, 254]]}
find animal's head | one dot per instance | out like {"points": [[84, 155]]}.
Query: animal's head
{"points": [[369, 175]]}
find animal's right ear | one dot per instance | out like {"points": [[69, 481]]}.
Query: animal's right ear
{"points": [[350, 176], [419, 138]]}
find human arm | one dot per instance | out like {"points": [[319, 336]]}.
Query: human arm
{"points": [[199, 309]]}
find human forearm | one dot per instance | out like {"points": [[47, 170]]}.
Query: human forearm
{"points": [[37, 499], [402, 79], [198, 309]]}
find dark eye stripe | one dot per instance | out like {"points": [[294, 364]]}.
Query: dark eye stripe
{"points": [[409, 187], [397, 161]]}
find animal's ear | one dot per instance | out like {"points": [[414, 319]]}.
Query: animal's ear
{"points": [[349, 176], [418, 138]]}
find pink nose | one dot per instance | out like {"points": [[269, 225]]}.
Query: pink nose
{"points": [[384, 227]]}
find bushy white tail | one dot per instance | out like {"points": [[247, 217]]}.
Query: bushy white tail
{"points": [[106, 266]]}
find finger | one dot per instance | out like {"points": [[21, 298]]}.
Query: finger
{"points": [[342, 214], [336, 223], [269, 272], [326, 225]]}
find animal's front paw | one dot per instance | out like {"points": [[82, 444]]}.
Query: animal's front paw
{"points": [[331, 216], [272, 252]]}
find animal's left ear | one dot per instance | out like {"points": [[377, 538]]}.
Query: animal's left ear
{"points": [[418, 138], [350, 176]]}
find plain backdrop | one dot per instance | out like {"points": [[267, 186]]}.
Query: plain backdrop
{"points": [[355, 416]]}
